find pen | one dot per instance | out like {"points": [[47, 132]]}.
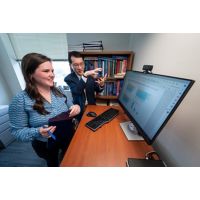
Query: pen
{"points": [[50, 133]]}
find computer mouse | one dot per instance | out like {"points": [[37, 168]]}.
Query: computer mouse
{"points": [[91, 114]]}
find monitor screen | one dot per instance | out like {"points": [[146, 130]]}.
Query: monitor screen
{"points": [[150, 100]]}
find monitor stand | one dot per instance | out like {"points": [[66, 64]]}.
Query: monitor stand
{"points": [[130, 131]]}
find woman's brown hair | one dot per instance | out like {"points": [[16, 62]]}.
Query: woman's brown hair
{"points": [[29, 64]]}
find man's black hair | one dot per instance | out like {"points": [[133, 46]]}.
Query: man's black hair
{"points": [[75, 54]]}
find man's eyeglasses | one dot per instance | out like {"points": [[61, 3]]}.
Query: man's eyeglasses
{"points": [[78, 64]]}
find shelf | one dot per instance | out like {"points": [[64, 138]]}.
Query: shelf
{"points": [[113, 63], [113, 79], [106, 97], [94, 53], [130, 55]]}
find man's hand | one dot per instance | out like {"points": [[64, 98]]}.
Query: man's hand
{"points": [[101, 81], [92, 73]]}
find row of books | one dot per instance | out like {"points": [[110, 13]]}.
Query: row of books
{"points": [[112, 88], [114, 67]]}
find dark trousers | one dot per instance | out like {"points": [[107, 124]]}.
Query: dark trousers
{"points": [[54, 150], [57, 148]]}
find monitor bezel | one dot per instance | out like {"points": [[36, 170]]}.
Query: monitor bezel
{"points": [[140, 130]]}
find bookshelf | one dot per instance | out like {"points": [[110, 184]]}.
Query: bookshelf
{"points": [[115, 64]]}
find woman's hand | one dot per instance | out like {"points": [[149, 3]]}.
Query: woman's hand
{"points": [[75, 110], [44, 131]]}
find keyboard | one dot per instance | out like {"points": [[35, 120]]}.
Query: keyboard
{"points": [[101, 119]]}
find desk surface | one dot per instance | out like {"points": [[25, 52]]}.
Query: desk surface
{"points": [[108, 146]]}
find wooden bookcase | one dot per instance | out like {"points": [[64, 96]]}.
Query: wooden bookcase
{"points": [[113, 63]]}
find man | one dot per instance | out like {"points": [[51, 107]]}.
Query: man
{"points": [[83, 85]]}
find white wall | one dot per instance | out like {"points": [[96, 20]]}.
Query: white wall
{"points": [[5, 96], [10, 85], [175, 55], [111, 41]]}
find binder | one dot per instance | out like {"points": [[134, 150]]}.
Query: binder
{"points": [[64, 129]]}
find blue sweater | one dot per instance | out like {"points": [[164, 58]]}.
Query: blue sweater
{"points": [[25, 122]]}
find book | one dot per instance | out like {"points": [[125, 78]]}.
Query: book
{"points": [[137, 162]]}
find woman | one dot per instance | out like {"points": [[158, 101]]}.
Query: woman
{"points": [[31, 109]]}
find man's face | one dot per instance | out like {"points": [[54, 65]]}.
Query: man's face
{"points": [[78, 65]]}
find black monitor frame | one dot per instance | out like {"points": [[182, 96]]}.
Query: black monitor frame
{"points": [[139, 129]]}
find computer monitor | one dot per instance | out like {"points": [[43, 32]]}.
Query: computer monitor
{"points": [[150, 100]]}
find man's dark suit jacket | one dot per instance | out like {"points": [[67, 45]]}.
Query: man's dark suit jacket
{"points": [[77, 88]]}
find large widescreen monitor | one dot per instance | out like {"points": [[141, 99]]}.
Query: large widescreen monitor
{"points": [[150, 100]]}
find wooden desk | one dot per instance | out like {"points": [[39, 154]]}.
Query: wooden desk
{"points": [[108, 146]]}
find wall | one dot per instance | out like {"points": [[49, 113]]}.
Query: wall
{"points": [[111, 41], [8, 80], [5, 96], [176, 55]]}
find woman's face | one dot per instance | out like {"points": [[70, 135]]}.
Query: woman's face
{"points": [[44, 75]]}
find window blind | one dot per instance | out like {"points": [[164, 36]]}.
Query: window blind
{"points": [[53, 45]]}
